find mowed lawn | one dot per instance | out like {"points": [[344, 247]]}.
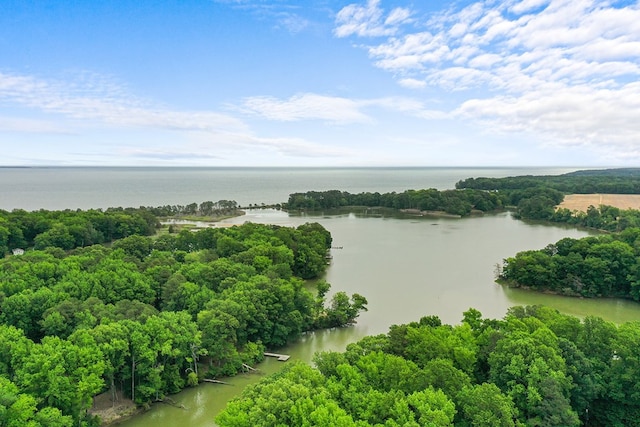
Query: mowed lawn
{"points": [[580, 202]]}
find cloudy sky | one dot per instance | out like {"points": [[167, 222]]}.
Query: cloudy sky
{"points": [[320, 83]]}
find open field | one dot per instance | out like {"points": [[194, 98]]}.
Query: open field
{"points": [[580, 202]]}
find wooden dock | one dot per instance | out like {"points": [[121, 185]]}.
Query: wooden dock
{"points": [[207, 380], [280, 357]]}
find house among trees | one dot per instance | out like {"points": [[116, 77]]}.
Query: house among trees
{"points": [[18, 251]]}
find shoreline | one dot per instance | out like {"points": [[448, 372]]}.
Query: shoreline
{"points": [[439, 214], [199, 222]]}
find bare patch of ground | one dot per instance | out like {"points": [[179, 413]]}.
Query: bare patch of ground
{"points": [[580, 202], [109, 411]]}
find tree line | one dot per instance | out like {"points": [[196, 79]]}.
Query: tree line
{"points": [[535, 367], [147, 317], [206, 209], [613, 181], [537, 202], [69, 229], [531, 197], [455, 202], [536, 197], [606, 218]]}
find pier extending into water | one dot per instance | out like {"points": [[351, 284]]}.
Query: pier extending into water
{"points": [[280, 357]]}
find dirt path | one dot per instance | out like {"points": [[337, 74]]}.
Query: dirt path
{"points": [[109, 412]]}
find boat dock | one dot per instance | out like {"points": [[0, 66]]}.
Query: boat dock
{"points": [[280, 357]]}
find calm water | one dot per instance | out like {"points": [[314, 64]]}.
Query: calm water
{"points": [[72, 188], [406, 267]]}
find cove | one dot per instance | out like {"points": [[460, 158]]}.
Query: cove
{"points": [[407, 267]]}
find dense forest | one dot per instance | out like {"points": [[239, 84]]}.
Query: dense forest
{"points": [[70, 229], [531, 197], [534, 203], [146, 316], [536, 197], [450, 201], [535, 367], [597, 266], [614, 181]]}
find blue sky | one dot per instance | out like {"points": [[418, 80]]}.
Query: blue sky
{"points": [[322, 83]]}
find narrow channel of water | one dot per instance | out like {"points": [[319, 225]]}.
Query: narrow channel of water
{"points": [[406, 268]]}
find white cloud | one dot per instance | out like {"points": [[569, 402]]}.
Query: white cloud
{"points": [[405, 105], [333, 109], [369, 20], [292, 22], [527, 5], [283, 13], [204, 147], [559, 69], [484, 60], [572, 115], [298, 147], [413, 83], [104, 103], [398, 15], [414, 51], [24, 125], [205, 134], [228, 145], [306, 106]]}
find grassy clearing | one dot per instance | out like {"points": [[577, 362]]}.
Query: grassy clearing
{"points": [[580, 202]]}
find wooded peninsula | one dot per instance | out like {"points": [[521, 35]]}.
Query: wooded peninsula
{"points": [[535, 367], [146, 317]]}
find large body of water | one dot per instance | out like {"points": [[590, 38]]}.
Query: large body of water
{"points": [[407, 267], [72, 188]]}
